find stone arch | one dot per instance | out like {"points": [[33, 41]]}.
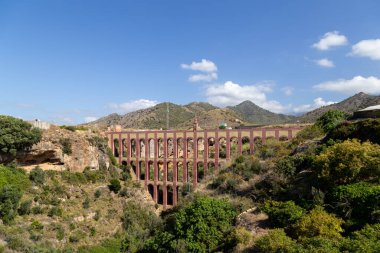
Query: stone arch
{"points": [[189, 175], [160, 170], [179, 171], [211, 147], [190, 148], [234, 147], [142, 148], [200, 171], [222, 148], [142, 170], [169, 194], [116, 148], [170, 148], [151, 171], [246, 146], [180, 147], [133, 148], [151, 148], [151, 190], [258, 140], [124, 147], [200, 148], [160, 148], [170, 172]]}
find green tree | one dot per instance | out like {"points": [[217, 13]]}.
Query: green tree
{"points": [[9, 200], [331, 119], [114, 185], [16, 135], [282, 214], [364, 240], [276, 241]]}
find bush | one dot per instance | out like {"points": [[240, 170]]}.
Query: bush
{"points": [[276, 241], [66, 146], [308, 133], [114, 185], [282, 214], [9, 200], [25, 207], [37, 175], [13, 176], [86, 203], [364, 240], [98, 193], [318, 223], [16, 135], [331, 119]]}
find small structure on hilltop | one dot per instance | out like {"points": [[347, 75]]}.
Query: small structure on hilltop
{"points": [[40, 124], [369, 112]]}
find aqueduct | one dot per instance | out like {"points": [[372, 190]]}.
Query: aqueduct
{"points": [[168, 160]]}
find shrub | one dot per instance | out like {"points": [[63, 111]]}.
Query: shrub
{"points": [[331, 119], [98, 193], [37, 175], [308, 133], [25, 207], [364, 240], [282, 214], [318, 223], [320, 245], [13, 176], [86, 203], [55, 211], [9, 200], [124, 192], [276, 241], [114, 185], [66, 146]]}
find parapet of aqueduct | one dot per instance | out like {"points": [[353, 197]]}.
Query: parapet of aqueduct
{"points": [[168, 160]]}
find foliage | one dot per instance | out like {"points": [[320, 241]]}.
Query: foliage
{"points": [[13, 176], [111, 157], [74, 128], [9, 200], [276, 241], [357, 200], [66, 146], [37, 175], [16, 135], [25, 207], [308, 133], [114, 185], [318, 223], [331, 119], [364, 240], [320, 244], [349, 161], [271, 149], [282, 214]]}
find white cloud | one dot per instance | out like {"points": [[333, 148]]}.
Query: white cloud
{"points": [[367, 48], [89, 119], [133, 105], [370, 85], [318, 102], [231, 93], [329, 40], [203, 66], [288, 91], [203, 77], [326, 63]]}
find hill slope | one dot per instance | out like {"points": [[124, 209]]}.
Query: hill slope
{"points": [[357, 102]]}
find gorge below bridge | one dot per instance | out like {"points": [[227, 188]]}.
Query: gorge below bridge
{"points": [[166, 161]]}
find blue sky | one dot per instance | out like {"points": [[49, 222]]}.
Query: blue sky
{"points": [[68, 61]]}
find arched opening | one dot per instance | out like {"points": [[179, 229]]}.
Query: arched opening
{"points": [[160, 148], [116, 148], [283, 138], [125, 148], [190, 148], [151, 148], [142, 170], [160, 192], [133, 165], [169, 192], [211, 147], [180, 148], [151, 171], [200, 171], [170, 172], [189, 172], [222, 148], [234, 151], [151, 190], [246, 147], [211, 168], [142, 148], [257, 141], [201, 147], [160, 168], [180, 172], [133, 147], [170, 148]]}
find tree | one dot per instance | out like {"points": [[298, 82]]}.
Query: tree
{"points": [[9, 200], [16, 135], [282, 214], [275, 241], [114, 185], [331, 119]]}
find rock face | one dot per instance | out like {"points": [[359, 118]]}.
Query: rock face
{"points": [[61, 149]]}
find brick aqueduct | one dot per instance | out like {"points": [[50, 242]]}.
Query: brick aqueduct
{"points": [[169, 160]]}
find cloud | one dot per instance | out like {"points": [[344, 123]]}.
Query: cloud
{"points": [[132, 105], [231, 93], [203, 77], [318, 102], [370, 85], [367, 48], [288, 91], [329, 40], [203, 66], [89, 119], [325, 63]]}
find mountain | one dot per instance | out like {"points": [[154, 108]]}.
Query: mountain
{"points": [[357, 102], [250, 112], [181, 117]]}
